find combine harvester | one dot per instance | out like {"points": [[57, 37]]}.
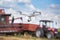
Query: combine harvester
{"points": [[5, 26]]}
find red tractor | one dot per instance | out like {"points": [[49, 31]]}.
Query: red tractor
{"points": [[39, 30], [47, 30]]}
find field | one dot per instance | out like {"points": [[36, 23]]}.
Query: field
{"points": [[22, 37]]}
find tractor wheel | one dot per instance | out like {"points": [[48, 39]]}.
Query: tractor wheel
{"points": [[39, 33], [49, 35]]}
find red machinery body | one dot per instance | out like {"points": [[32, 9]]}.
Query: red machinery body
{"points": [[30, 27], [5, 26], [9, 28]]}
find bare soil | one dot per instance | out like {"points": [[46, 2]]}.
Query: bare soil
{"points": [[22, 37]]}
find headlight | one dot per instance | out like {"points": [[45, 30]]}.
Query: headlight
{"points": [[56, 32]]}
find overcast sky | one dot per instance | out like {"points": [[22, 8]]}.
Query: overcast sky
{"points": [[50, 9]]}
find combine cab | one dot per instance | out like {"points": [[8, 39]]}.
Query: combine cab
{"points": [[5, 26]]}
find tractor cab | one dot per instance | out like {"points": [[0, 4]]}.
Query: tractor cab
{"points": [[48, 31], [46, 23]]}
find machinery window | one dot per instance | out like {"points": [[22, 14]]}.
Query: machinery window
{"points": [[2, 19]]}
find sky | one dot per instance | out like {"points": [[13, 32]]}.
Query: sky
{"points": [[50, 9], [41, 4]]}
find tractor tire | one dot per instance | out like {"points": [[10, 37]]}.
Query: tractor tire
{"points": [[39, 33], [49, 35]]}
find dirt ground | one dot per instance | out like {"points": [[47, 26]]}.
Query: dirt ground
{"points": [[25, 37], [16, 38]]}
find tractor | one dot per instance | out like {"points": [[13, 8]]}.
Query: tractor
{"points": [[46, 30], [40, 30]]}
